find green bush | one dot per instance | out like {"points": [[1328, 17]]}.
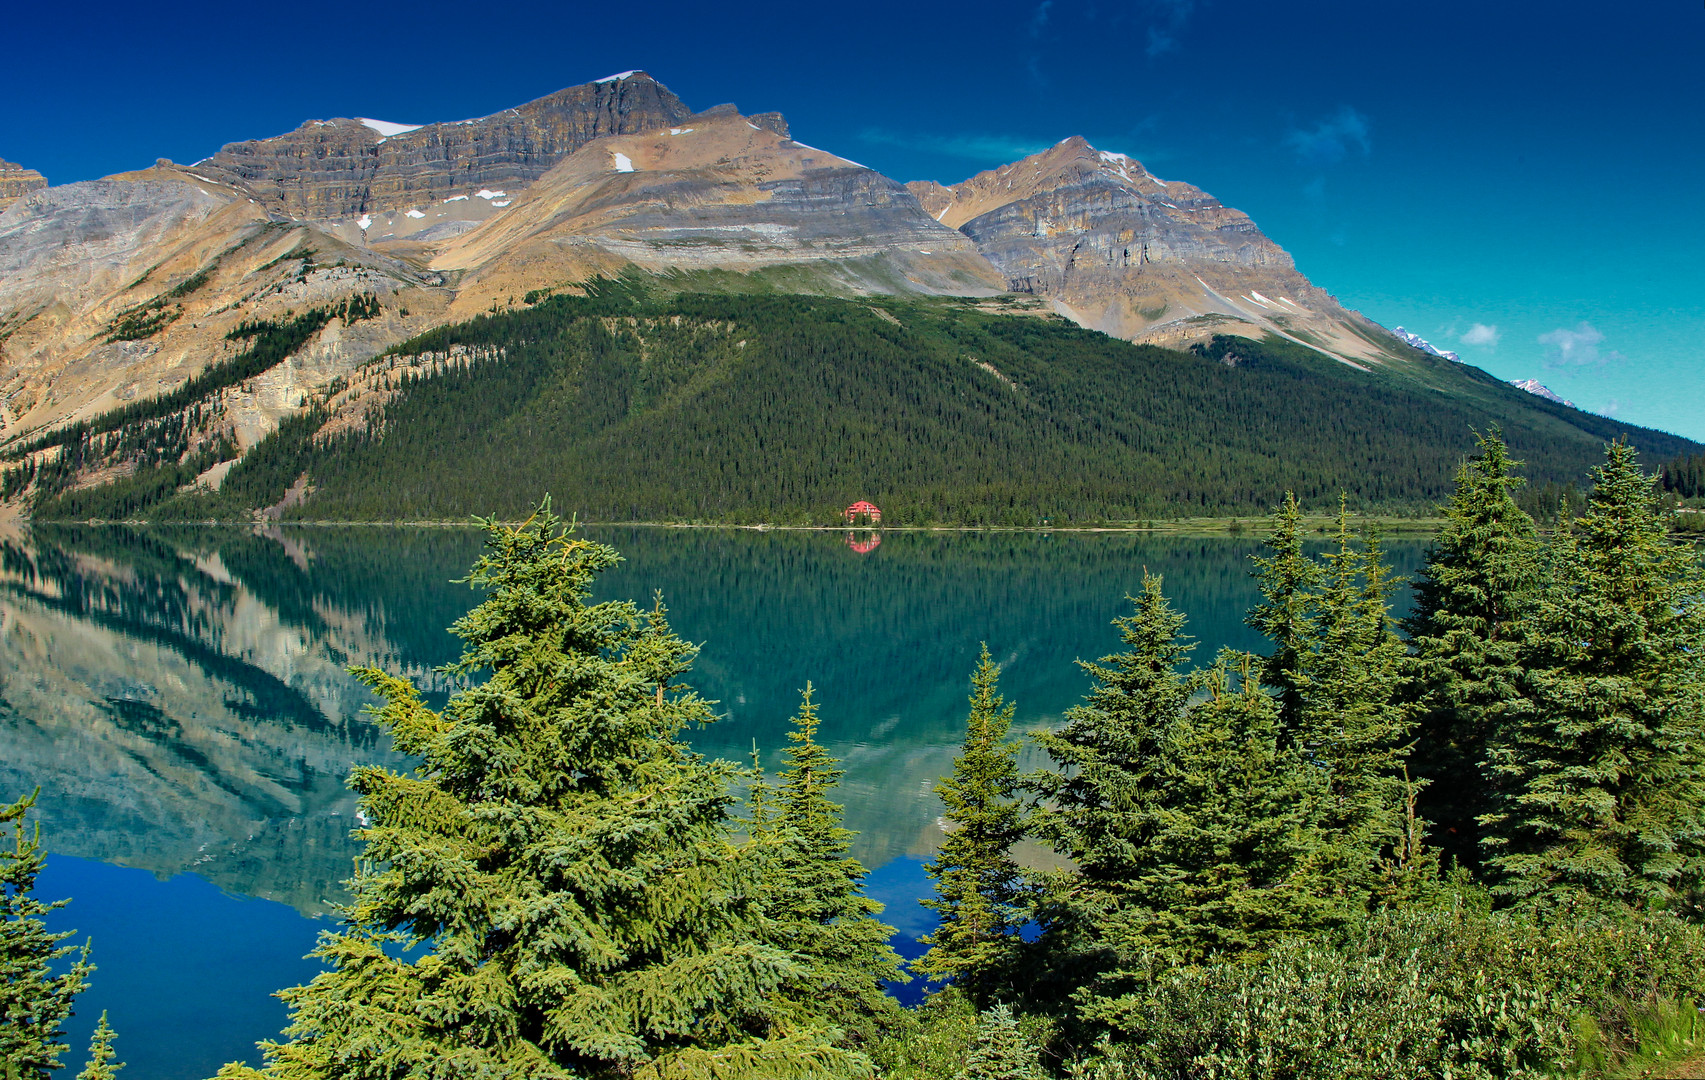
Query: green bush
{"points": [[1458, 994]]}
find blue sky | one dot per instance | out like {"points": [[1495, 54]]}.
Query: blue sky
{"points": [[1520, 183]]}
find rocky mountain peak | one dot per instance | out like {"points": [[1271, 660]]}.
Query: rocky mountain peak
{"points": [[346, 167], [17, 181]]}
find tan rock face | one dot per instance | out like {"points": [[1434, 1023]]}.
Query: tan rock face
{"points": [[1125, 252], [717, 190], [17, 181], [334, 169]]}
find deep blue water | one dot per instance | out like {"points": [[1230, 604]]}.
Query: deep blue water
{"points": [[182, 699]]}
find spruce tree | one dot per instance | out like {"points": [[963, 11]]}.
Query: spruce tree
{"points": [[1481, 573], [1285, 616], [34, 1001], [976, 877], [1100, 805], [812, 899], [1351, 727], [553, 891], [1602, 771], [1225, 870], [1000, 1050], [101, 1065]]}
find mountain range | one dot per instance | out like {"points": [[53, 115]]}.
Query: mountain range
{"points": [[138, 288]]}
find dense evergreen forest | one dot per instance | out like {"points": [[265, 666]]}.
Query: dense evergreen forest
{"points": [[639, 403], [1469, 846]]}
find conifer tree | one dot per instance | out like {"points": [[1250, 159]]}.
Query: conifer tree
{"points": [[1000, 1050], [1481, 573], [1285, 616], [1603, 768], [101, 1065], [1100, 804], [1351, 726], [559, 864], [812, 897], [976, 877], [1225, 870], [34, 1001]]}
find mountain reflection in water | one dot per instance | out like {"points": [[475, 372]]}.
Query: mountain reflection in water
{"points": [[181, 695]]}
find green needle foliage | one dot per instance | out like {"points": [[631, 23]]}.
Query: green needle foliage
{"points": [[34, 1002], [1602, 771], [1351, 726], [101, 1065], [1285, 616], [1001, 1051], [1100, 807], [812, 900], [976, 878], [1464, 632], [553, 892]]}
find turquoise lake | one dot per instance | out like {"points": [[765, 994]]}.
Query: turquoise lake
{"points": [[180, 696]]}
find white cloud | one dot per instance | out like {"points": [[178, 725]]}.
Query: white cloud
{"points": [[1331, 140], [1579, 347], [1480, 334]]}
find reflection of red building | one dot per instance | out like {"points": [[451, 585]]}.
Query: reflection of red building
{"points": [[865, 511], [866, 545]]}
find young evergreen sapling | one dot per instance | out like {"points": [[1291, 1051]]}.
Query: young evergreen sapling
{"points": [[34, 1000], [976, 878]]}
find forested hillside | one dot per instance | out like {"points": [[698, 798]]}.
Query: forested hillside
{"points": [[637, 404]]}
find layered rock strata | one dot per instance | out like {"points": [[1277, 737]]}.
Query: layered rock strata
{"points": [[341, 168], [1138, 257], [17, 181]]}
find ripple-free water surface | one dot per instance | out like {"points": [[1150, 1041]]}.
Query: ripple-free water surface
{"points": [[181, 697]]}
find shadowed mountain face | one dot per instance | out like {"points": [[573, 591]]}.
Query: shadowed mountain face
{"points": [[328, 169]]}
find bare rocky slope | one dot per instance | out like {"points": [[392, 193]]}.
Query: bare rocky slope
{"points": [[17, 181], [120, 290]]}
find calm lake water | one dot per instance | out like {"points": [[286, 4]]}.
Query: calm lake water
{"points": [[181, 697]]}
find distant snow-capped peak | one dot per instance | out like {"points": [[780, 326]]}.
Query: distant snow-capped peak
{"points": [[1539, 389], [1421, 343]]}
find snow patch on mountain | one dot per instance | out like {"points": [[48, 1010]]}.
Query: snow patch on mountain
{"points": [[1421, 343], [387, 129], [1539, 389], [618, 76]]}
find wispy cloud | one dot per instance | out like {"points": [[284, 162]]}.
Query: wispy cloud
{"points": [[1333, 138], [1480, 334], [1039, 18], [1578, 347], [972, 147], [1170, 17]]}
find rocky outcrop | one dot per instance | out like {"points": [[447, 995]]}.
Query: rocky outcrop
{"points": [[340, 168], [718, 190], [1138, 257], [17, 181]]}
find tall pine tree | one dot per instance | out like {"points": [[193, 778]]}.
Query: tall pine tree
{"points": [[1350, 726], [553, 891], [1100, 807], [1602, 770], [34, 1001], [1288, 579], [812, 897], [1464, 633], [976, 877]]}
